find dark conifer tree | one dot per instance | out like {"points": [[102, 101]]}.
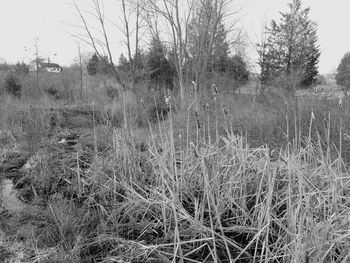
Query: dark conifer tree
{"points": [[292, 47]]}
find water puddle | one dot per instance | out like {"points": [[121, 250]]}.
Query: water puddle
{"points": [[8, 197]]}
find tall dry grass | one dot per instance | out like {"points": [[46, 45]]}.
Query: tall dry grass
{"points": [[215, 204], [199, 188]]}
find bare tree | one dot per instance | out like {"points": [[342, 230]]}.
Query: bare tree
{"points": [[261, 49], [99, 44], [133, 8], [37, 63], [209, 29], [98, 38], [80, 62], [176, 15]]}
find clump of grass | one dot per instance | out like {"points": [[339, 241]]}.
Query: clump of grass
{"points": [[227, 202], [224, 203]]}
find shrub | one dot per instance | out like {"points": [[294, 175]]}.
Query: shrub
{"points": [[98, 65], [21, 69], [61, 86], [234, 67], [321, 80], [343, 72], [289, 83], [12, 85], [157, 109], [53, 92], [112, 91]]}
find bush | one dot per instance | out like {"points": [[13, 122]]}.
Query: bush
{"points": [[53, 92], [21, 69], [112, 90], [63, 86], [236, 68], [98, 65], [343, 72], [158, 109], [321, 80], [288, 83], [13, 86]]}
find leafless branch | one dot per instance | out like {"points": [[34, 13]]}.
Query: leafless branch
{"points": [[95, 42]]}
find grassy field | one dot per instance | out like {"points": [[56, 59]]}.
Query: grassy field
{"points": [[131, 181]]}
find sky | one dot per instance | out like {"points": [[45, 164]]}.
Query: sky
{"points": [[52, 24]]}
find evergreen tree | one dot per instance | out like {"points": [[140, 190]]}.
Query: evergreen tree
{"points": [[343, 73], [98, 65], [200, 47], [92, 65], [237, 68], [123, 64], [207, 39], [133, 70], [104, 66], [221, 49], [291, 48], [159, 68], [139, 62]]}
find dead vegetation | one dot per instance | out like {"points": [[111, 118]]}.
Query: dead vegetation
{"points": [[99, 193]]}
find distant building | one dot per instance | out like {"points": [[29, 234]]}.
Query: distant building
{"points": [[48, 67]]}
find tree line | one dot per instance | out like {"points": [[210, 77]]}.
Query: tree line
{"points": [[185, 41], [205, 51], [156, 65], [200, 40], [188, 41]]}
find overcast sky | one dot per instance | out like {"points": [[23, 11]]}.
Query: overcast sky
{"points": [[50, 21]]}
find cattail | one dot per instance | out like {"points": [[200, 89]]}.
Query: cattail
{"points": [[214, 90], [312, 115], [225, 110], [167, 100], [194, 85], [205, 106], [143, 103], [325, 123], [194, 149], [197, 118]]}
